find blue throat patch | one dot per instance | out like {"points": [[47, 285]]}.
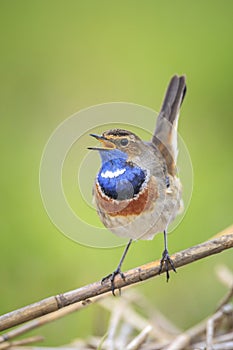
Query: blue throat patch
{"points": [[119, 179]]}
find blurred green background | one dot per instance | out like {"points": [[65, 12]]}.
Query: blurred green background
{"points": [[58, 57]]}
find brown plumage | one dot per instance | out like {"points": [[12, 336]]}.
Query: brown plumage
{"points": [[145, 175]]}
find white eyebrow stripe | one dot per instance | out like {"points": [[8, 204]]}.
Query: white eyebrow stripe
{"points": [[111, 174]]}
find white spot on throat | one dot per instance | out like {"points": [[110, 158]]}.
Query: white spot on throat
{"points": [[111, 174]]}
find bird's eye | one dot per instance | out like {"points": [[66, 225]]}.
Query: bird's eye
{"points": [[124, 142]]}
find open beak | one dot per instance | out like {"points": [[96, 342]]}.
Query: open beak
{"points": [[107, 144]]}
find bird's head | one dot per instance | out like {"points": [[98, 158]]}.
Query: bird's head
{"points": [[118, 143], [121, 175]]}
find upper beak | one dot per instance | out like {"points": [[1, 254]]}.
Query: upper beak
{"points": [[107, 144]]}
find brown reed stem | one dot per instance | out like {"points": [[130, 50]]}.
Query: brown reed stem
{"points": [[136, 275]]}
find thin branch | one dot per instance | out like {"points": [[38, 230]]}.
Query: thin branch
{"points": [[45, 319], [226, 277], [211, 323], [26, 341], [139, 339], [138, 274], [185, 338]]}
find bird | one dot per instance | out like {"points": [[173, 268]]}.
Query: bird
{"points": [[137, 191]]}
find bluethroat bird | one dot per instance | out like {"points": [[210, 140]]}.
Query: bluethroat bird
{"points": [[137, 191]]}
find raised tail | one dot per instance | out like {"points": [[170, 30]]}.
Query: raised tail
{"points": [[165, 135]]}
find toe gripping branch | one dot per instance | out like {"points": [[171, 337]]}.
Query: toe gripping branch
{"points": [[166, 261], [112, 275], [111, 278]]}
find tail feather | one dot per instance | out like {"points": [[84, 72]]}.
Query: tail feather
{"points": [[165, 135], [173, 99]]}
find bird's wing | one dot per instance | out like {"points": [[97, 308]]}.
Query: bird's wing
{"points": [[165, 135]]}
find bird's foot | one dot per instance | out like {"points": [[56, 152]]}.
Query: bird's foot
{"points": [[111, 278], [166, 261]]}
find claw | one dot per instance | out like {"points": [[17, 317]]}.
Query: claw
{"points": [[111, 277], [166, 260]]}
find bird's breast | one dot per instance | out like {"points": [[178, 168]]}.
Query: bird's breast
{"points": [[121, 180], [144, 200]]}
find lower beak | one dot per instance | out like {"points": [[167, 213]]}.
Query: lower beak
{"points": [[107, 144]]}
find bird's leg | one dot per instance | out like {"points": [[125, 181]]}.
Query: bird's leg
{"points": [[166, 260], [112, 275]]}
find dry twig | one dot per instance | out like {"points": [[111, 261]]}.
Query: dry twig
{"points": [[26, 341], [226, 277], [211, 324], [139, 339], [138, 274]]}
